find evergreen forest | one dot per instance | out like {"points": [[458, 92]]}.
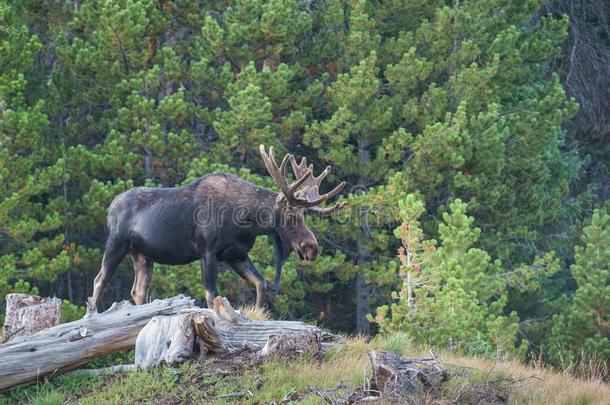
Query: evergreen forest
{"points": [[473, 135]]}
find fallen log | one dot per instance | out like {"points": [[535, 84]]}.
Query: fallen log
{"points": [[219, 330], [64, 347], [224, 329], [27, 314]]}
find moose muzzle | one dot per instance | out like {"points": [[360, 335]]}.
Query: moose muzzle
{"points": [[307, 250]]}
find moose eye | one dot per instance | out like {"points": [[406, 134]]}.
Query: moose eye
{"points": [[291, 217]]}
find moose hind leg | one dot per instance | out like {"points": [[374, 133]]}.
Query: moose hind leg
{"points": [[113, 254], [209, 274], [142, 267], [245, 268]]}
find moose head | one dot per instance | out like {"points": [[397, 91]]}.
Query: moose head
{"points": [[297, 198]]}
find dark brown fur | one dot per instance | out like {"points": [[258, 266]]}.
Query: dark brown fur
{"points": [[198, 222]]}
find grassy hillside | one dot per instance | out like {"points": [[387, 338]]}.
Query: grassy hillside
{"points": [[342, 374]]}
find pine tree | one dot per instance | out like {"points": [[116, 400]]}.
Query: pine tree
{"points": [[459, 297], [459, 103], [31, 169], [446, 101], [581, 332]]}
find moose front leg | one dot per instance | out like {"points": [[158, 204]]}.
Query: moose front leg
{"points": [[279, 255], [245, 268], [209, 273]]}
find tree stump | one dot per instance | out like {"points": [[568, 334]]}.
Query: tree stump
{"points": [[288, 346], [28, 314], [165, 339], [393, 374]]}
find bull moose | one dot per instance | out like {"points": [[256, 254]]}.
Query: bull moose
{"points": [[214, 219]]}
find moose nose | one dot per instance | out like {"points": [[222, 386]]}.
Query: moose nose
{"points": [[309, 251]]}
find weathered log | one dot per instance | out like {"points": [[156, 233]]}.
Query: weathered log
{"points": [[393, 374], [218, 330], [27, 314], [224, 329], [66, 346]]}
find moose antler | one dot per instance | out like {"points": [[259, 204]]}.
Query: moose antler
{"points": [[310, 190], [279, 175], [304, 192]]}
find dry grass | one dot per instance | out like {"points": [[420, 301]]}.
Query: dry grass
{"points": [[474, 380], [256, 313], [528, 384], [591, 367]]}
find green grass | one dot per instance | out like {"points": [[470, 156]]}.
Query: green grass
{"points": [[473, 379], [56, 391]]}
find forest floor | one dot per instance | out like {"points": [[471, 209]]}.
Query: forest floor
{"points": [[340, 377]]}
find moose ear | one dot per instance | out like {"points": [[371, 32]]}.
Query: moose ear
{"points": [[280, 201]]}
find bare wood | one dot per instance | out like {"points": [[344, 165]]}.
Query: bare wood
{"points": [[69, 345], [219, 330], [225, 329], [165, 339], [27, 314]]}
